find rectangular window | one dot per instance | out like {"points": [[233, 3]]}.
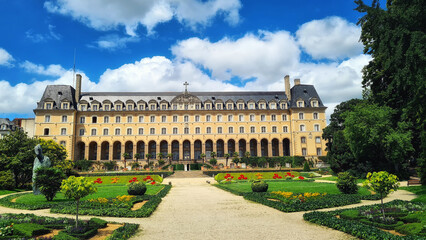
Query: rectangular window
{"points": [[129, 119], [300, 115], [316, 127], [219, 118], [251, 106], [272, 106], [163, 131], [230, 118], [262, 106], [241, 118], [47, 118], [240, 106], [252, 129], [175, 118], [106, 107], [140, 131], [186, 130], [197, 118], [106, 119], [208, 118], [163, 118], [303, 151], [152, 131], [94, 119], [81, 132], [219, 130], [208, 130], [231, 130], [83, 107], [300, 104], [283, 106], [93, 132], [230, 106], [129, 131], [130, 107], [163, 107], [197, 130], [197, 106], [302, 128], [252, 118], [95, 107], [263, 129], [106, 132], [284, 117], [174, 107], [186, 106], [46, 131], [152, 119], [219, 106], [285, 129], [319, 152], [186, 118], [141, 107], [63, 131], [118, 107], [262, 117], [303, 139], [274, 129], [273, 117], [63, 143], [315, 115], [208, 106], [318, 139], [82, 119], [175, 131], [48, 106], [65, 106], [140, 119], [241, 129], [152, 106], [118, 119], [117, 131]]}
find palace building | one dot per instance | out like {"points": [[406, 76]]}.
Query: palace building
{"points": [[104, 125]]}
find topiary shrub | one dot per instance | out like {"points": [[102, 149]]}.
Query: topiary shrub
{"points": [[346, 183], [49, 181], [306, 167], [136, 188], [259, 186], [213, 161], [7, 181]]}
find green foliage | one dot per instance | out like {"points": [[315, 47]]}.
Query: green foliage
{"points": [[161, 162], [98, 223], [17, 155], [110, 165], [83, 164], [259, 186], [213, 161], [56, 152], [381, 182], [124, 232], [306, 167], [350, 214], [410, 229], [135, 165], [395, 38], [136, 188], [7, 181], [49, 181], [30, 229], [346, 183]]}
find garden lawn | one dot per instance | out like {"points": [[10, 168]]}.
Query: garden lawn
{"points": [[420, 191], [106, 191], [334, 178], [4, 192], [293, 186]]}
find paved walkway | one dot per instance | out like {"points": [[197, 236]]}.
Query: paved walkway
{"points": [[196, 210]]}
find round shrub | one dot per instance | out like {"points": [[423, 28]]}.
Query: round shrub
{"points": [[49, 181], [136, 188], [259, 186], [6, 180], [346, 183]]}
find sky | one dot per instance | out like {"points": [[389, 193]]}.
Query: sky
{"points": [[156, 45]]}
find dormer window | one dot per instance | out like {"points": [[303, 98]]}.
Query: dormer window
{"points": [[197, 106], [272, 106], [208, 106], [83, 107], [251, 106], [95, 107], [65, 105], [118, 107], [283, 106], [152, 106], [163, 106], [141, 107], [262, 106], [48, 105], [174, 106], [129, 107], [300, 104], [230, 106], [106, 107], [314, 103], [219, 106], [241, 106]]}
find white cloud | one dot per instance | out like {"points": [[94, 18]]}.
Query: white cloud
{"points": [[5, 58], [113, 42], [38, 37], [331, 38], [54, 70], [264, 56], [148, 13]]}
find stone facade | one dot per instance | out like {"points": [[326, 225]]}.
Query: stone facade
{"points": [[103, 126]]}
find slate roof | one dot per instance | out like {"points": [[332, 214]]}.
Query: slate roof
{"points": [[306, 93], [57, 94]]}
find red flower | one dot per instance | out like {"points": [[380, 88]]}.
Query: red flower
{"points": [[292, 175], [130, 181], [153, 182], [301, 178]]}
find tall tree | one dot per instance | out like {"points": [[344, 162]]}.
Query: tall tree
{"points": [[395, 38]]}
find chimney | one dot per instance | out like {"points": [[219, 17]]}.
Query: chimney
{"points": [[78, 88], [296, 81], [287, 86]]}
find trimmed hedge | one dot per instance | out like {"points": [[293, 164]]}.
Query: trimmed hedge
{"points": [[30, 229], [357, 228], [87, 208], [124, 232]]}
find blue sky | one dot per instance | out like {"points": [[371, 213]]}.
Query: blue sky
{"points": [[151, 45]]}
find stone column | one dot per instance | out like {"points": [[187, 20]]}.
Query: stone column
{"points": [[225, 147], [86, 151], [269, 148], [157, 150], [111, 150], [259, 149], [180, 151], [247, 147], [98, 152], [280, 148]]}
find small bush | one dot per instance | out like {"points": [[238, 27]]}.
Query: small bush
{"points": [[83, 164], [49, 181], [7, 181], [346, 183], [306, 167], [410, 229], [30, 229], [110, 165], [213, 161], [259, 186], [136, 188]]}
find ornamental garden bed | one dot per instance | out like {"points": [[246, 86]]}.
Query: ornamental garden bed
{"points": [[366, 222], [273, 175], [29, 226], [294, 196]]}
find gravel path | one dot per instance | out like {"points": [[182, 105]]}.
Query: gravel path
{"points": [[194, 209]]}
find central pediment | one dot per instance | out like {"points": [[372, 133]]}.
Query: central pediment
{"points": [[185, 98]]}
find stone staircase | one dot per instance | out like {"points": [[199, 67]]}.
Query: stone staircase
{"points": [[189, 174]]}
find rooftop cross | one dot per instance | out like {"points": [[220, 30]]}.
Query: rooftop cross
{"points": [[186, 86]]}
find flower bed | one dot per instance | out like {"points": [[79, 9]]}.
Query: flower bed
{"points": [[115, 207], [24, 226], [125, 179], [259, 175], [366, 222]]}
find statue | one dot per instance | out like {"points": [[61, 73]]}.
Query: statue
{"points": [[39, 161]]}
